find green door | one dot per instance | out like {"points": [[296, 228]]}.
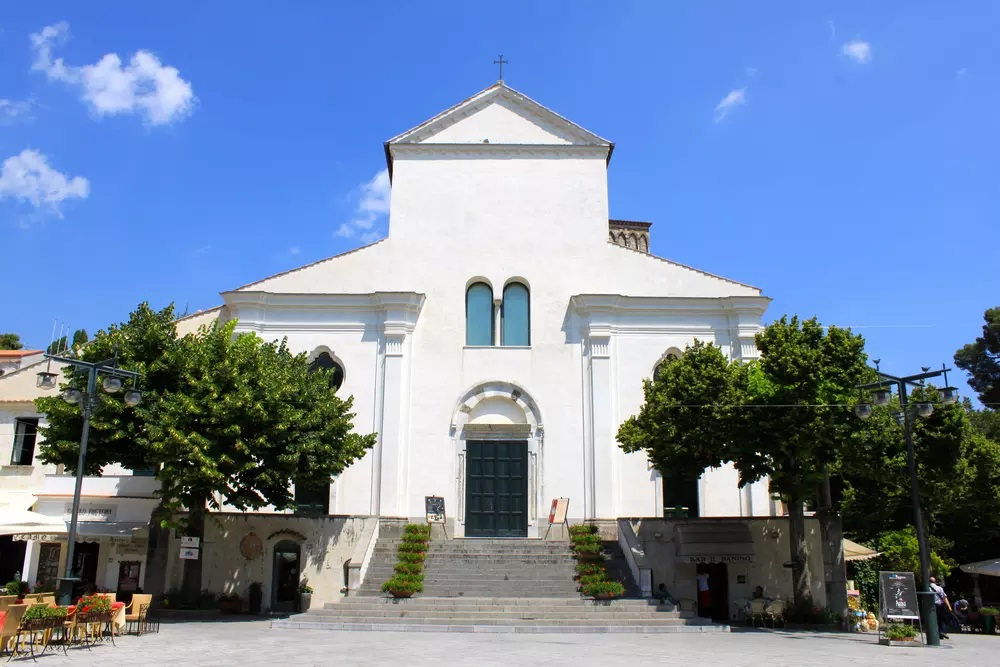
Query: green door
{"points": [[496, 488]]}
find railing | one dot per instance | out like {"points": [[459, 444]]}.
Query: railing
{"points": [[642, 573], [362, 556]]}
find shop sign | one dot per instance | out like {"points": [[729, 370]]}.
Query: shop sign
{"points": [[90, 513], [742, 558], [188, 553], [190, 542]]}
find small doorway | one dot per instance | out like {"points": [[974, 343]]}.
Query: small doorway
{"points": [[85, 567], [717, 607], [285, 576], [128, 580], [496, 497]]}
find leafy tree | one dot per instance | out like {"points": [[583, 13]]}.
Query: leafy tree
{"points": [[221, 415], [981, 360], [901, 553], [10, 341], [79, 338], [986, 422], [779, 417], [958, 472]]}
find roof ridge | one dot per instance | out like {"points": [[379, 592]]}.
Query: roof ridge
{"points": [[306, 266], [685, 266], [199, 312]]}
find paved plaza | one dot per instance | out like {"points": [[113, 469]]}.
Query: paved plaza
{"points": [[254, 643]]}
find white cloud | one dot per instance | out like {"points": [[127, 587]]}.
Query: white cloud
{"points": [[732, 100], [145, 86], [12, 111], [858, 51], [28, 177], [373, 205]]}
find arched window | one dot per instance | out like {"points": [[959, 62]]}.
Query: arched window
{"points": [[516, 315], [643, 244], [668, 358], [325, 361], [479, 315]]}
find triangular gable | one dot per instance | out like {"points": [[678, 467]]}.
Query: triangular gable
{"points": [[501, 115]]}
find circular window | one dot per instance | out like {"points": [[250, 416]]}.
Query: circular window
{"points": [[325, 362]]}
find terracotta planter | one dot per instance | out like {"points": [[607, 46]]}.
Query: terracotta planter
{"points": [[401, 595], [604, 596]]}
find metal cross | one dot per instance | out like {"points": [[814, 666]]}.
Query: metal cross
{"points": [[501, 62]]}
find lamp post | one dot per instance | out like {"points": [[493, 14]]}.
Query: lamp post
{"points": [[88, 401], [881, 393]]}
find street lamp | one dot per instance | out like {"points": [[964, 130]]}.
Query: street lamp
{"points": [[881, 392], [87, 401]]}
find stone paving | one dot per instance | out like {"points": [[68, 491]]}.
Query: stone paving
{"points": [[255, 644]]}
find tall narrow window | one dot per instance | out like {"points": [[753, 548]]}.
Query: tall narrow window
{"points": [[25, 432], [516, 315], [479, 315]]}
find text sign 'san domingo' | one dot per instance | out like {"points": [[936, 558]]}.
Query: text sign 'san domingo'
{"points": [[899, 595], [434, 508]]}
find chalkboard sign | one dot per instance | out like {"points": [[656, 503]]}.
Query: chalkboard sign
{"points": [[434, 508], [899, 595]]}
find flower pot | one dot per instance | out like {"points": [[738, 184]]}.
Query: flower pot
{"points": [[401, 594], [256, 598], [604, 596], [305, 600]]}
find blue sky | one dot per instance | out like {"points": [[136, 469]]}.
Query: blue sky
{"points": [[841, 155]]}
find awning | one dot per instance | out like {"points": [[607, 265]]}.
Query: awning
{"points": [[22, 520], [855, 552], [990, 568], [714, 542], [87, 531]]}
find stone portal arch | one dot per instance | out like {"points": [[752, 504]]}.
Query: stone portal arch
{"points": [[497, 414]]}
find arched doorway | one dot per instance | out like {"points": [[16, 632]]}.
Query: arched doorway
{"points": [[497, 433], [285, 576]]}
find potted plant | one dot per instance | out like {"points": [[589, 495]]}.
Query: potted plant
{"points": [[17, 587], [989, 619], [230, 603], [408, 577], [900, 634], [256, 596], [305, 596], [603, 589], [403, 585], [39, 617]]}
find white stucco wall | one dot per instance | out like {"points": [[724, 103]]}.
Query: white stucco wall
{"points": [[537, 214]]}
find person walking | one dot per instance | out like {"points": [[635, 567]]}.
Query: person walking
{"points": [[942, 608], [704, 595]]}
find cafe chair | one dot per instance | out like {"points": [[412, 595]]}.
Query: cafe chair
{"points": [[775, 611], [758, 611]]}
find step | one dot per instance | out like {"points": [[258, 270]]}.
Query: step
{"points": [[575, 601], [294, 623]]}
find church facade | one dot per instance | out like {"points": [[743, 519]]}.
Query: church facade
{"points": [[495, 341], [500, 334]]}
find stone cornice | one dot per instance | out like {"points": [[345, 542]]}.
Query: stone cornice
{"points": [[399, 310], [588, 304], [458, 151]]}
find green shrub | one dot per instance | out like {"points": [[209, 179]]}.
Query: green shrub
{"points": [[590, 579], [411, 557], [588, 567], [412, 548], [585, 538], [589, 549], [44, 611], [403, 583], [583, 529], [408, 568], [989, 611], [417, 530], [613, 589], [900, 631]]}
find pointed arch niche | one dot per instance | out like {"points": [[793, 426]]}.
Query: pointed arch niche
{"points": [[498, 411]]}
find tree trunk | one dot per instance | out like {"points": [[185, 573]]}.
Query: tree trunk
{"points": [[157, 554], [192, 568], [802, 599], [834, 569]]}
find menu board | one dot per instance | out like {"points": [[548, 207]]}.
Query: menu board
{"points": [[434, 509], [899, 595]]}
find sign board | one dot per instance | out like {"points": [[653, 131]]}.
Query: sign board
{"points": [[90, 513], [434, 508], [718, 558], [899, 595], [190, 542], [187, 553], [560, 506]]}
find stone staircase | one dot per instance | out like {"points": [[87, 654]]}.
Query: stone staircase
{"points": [[493, 585]]}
